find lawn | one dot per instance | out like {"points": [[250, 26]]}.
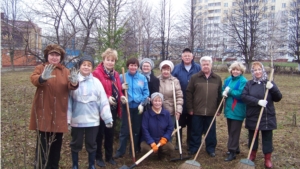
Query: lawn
{"points": [[18, 143]]}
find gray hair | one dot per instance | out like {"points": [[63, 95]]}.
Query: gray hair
{"points": [[153, 95], [206, 58], [238, 65]]}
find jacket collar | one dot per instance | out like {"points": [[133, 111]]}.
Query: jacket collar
{"points": [[162, 112], [83, 78], [192, 63], [201, 74]]}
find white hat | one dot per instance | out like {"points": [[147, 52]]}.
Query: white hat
{"points": [[153, 95], [166, 62]]}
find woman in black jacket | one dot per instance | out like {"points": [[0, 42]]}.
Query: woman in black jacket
{"points": [[253, 97]]}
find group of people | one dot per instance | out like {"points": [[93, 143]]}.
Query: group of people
{"points": [[89, 101]]}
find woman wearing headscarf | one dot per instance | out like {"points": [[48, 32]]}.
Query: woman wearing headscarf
{"points": [[53, 81], [146, 66], [157, 127], [253, 97], [110, 80], [235, 108]]}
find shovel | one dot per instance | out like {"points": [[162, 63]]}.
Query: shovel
{"points": [[145, 156]]}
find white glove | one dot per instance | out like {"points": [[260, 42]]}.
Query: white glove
{"points": [[141, 109], [112, 101], [124, 86], [262, 103], [109, 125], [227, 89], [225, 93], [69, 127], [47, 72], [269, 85], [123, 100]]}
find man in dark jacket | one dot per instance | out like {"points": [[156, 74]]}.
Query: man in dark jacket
{"points": [[183, 72], [203, 95]]}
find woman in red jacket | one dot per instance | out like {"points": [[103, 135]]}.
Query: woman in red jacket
{"points": [[111, 82]]}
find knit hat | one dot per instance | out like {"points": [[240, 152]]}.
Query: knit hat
{"points": [[86, 58], [166, 62], [153, 95], [146, 60]]}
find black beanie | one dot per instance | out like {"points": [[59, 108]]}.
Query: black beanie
{"points": [[86, 58]]}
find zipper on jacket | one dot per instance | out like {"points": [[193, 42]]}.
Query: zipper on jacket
{"points": [[266, 107], [206, 95]]}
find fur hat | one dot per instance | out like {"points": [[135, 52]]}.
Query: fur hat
{"points": [[86, 58], [54, 48], [153, 95], [147, 60], [166, 62]]}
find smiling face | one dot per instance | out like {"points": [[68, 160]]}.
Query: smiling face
{"points": [[146, 67], [109, 63], [157, 103], [257, 71], [132, 68], [236, 71], [166, 71], [54, 58], [85, 68]]}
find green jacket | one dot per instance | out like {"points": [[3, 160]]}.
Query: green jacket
{"points": [[203, 94], [235, 108]]}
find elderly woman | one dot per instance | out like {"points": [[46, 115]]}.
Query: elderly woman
{"points": [[235, 109], [86, 105], [157, 127], [110, 80], [253, 97], [50, 104], [146, 66]]}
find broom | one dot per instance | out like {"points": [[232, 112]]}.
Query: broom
{"points": [[146, 155], [247, 163], [129, 120], [193, 164]]}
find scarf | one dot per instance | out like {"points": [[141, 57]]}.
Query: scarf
{"points": [[115, 91], [264, 76], [147, 75]]}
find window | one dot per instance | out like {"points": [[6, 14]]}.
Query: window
{"points": [[265, 1], [225, 11], [273, 8], [233, 3], [225, 4], [265, 8], [200, 1], [283, 5], [273, 1]]}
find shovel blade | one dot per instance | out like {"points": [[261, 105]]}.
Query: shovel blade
{"points": [[124, 167]]}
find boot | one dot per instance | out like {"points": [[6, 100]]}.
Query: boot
{"points": [[75, 160], [238, 151], [268, 163], [92, 160], [253, 155], [231, 156]]}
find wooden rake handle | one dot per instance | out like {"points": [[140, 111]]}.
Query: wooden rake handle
{"points": [[129, 119], [177, 125], [259, 117]]}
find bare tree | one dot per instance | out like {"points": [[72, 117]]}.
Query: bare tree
{"points": [[294, 30], [243, 29]]}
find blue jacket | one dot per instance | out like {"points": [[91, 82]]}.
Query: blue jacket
{"points": [[155, 126], [235, 108], [137, 88], [184, 77]]}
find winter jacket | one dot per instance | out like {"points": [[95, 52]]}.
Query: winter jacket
{"points": [[88, 103], [203, 95], [155, 126], [153, 84], [50, 102], [235, 108], [184, 76], [166, 88], [100, 74], [252, 93], [137, 88]]}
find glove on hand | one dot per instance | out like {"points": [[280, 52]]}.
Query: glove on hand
{"points": [[141, 109], [163, 141], [47, 72], [154, 147], [269, 85], [262, 103], [124, 86], [227, 89], [109, 125], [73, 77], [123, 100], [224, 94], [112, 101]]}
